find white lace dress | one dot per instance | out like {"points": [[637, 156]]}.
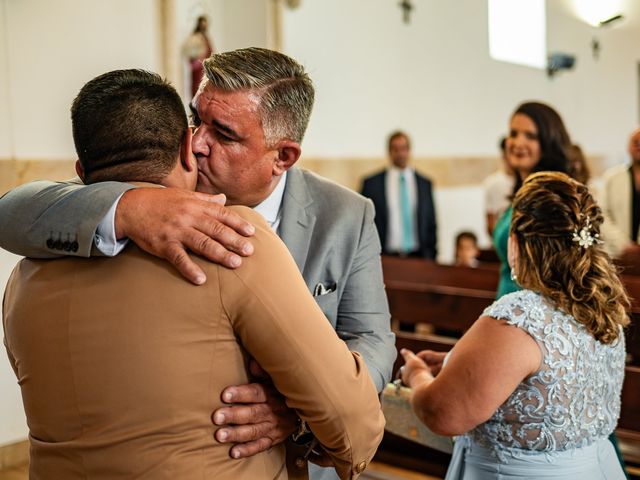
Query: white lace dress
{"points": [[556, 423]]}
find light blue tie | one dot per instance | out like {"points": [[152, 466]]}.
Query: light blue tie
{"points": [[405, 211]]}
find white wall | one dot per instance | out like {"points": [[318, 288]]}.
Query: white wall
{"points": [[435, 78], [6, 149], [457, 209], [53, 48]]}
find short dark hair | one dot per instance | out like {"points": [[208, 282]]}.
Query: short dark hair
{"points": [[128, 125], [466, 235], [397, 134]]}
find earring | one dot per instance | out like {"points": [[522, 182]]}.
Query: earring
{"points": [[514, 277]]}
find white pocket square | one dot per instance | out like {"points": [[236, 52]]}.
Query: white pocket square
{"points": [[321, 289]]}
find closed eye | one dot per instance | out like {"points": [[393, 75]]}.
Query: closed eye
{"points": [[194, 119]]}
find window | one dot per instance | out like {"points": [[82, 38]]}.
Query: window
{"points": [[517, 32]]}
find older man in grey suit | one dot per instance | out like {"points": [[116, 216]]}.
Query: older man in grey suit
{"points": [[250, 116]]}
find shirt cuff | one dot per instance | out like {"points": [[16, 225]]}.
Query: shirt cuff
{"points": [[105, 237]]}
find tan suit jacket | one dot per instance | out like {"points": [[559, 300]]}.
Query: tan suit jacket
{"points": [[121, 363], [616, 201]]}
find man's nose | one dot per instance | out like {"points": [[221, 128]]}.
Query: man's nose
{"points": [[199, 143]]}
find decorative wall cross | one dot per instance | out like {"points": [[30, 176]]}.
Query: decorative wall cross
{"points": [[406, 7]]}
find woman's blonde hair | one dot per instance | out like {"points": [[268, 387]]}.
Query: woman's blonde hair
{"points": [[549, 213]]}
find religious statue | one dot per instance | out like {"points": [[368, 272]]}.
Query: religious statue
{"points": [[197, 48]]}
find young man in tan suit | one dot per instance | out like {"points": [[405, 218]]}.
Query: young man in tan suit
{"points": [[121, 361]]}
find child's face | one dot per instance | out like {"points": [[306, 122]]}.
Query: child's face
{"points": [[467, 251]]}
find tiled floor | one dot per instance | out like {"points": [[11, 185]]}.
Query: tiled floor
{"points": [[376, 471]]}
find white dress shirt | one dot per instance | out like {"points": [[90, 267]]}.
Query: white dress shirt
{"points": [[105, 237], [271, 207], [394, 212]]}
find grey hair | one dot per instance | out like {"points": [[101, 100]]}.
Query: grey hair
{"points": [[285, 90]]}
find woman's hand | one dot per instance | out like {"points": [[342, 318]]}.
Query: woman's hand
{"points": [[415, 371], [434, 360]]}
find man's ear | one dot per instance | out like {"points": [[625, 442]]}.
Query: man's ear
{"points": [[288, 154], [79, 170], [187, 158]]}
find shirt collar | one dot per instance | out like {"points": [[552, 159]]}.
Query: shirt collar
{"points": [[269, 208], [404, 171]]}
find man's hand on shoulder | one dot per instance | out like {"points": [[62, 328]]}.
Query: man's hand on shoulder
{"points": [[166, 222]]}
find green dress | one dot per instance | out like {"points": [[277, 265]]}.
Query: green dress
{"points": [[500, 243]]}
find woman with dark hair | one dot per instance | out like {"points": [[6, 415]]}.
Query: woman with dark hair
{"points": [[534, 386], [537, 141]]}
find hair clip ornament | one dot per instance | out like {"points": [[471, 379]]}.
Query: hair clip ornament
{"points": [[584, 238]]}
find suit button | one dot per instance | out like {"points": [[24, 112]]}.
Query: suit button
{"points": [[57, 245], [300, 462], [361, 466], [74, 246], [66, 246], [50, 243]]}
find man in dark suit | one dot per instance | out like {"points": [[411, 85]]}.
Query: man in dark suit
{"points": [[405, 212]]}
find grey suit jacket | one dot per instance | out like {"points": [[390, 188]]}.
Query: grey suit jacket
{"points": [[328, 229], [330, 233]]}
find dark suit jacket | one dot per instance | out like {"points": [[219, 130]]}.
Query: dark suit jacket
{"points": [[373, 187]]}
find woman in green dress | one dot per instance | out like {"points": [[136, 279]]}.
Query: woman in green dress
{"points": [[537, 141]]}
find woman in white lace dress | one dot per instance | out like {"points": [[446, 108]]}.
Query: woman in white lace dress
{"points": [[533, 388]]}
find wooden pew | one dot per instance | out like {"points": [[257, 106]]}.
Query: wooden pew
{"points": [[632, 333], [488, 255], [449, 297], [452, 298], [628, 430], [629, 263]]}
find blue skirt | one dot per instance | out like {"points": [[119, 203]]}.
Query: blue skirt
{"points": [[471, 461]]}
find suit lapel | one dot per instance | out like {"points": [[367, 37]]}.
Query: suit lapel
{"points": [[297, 220]]}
